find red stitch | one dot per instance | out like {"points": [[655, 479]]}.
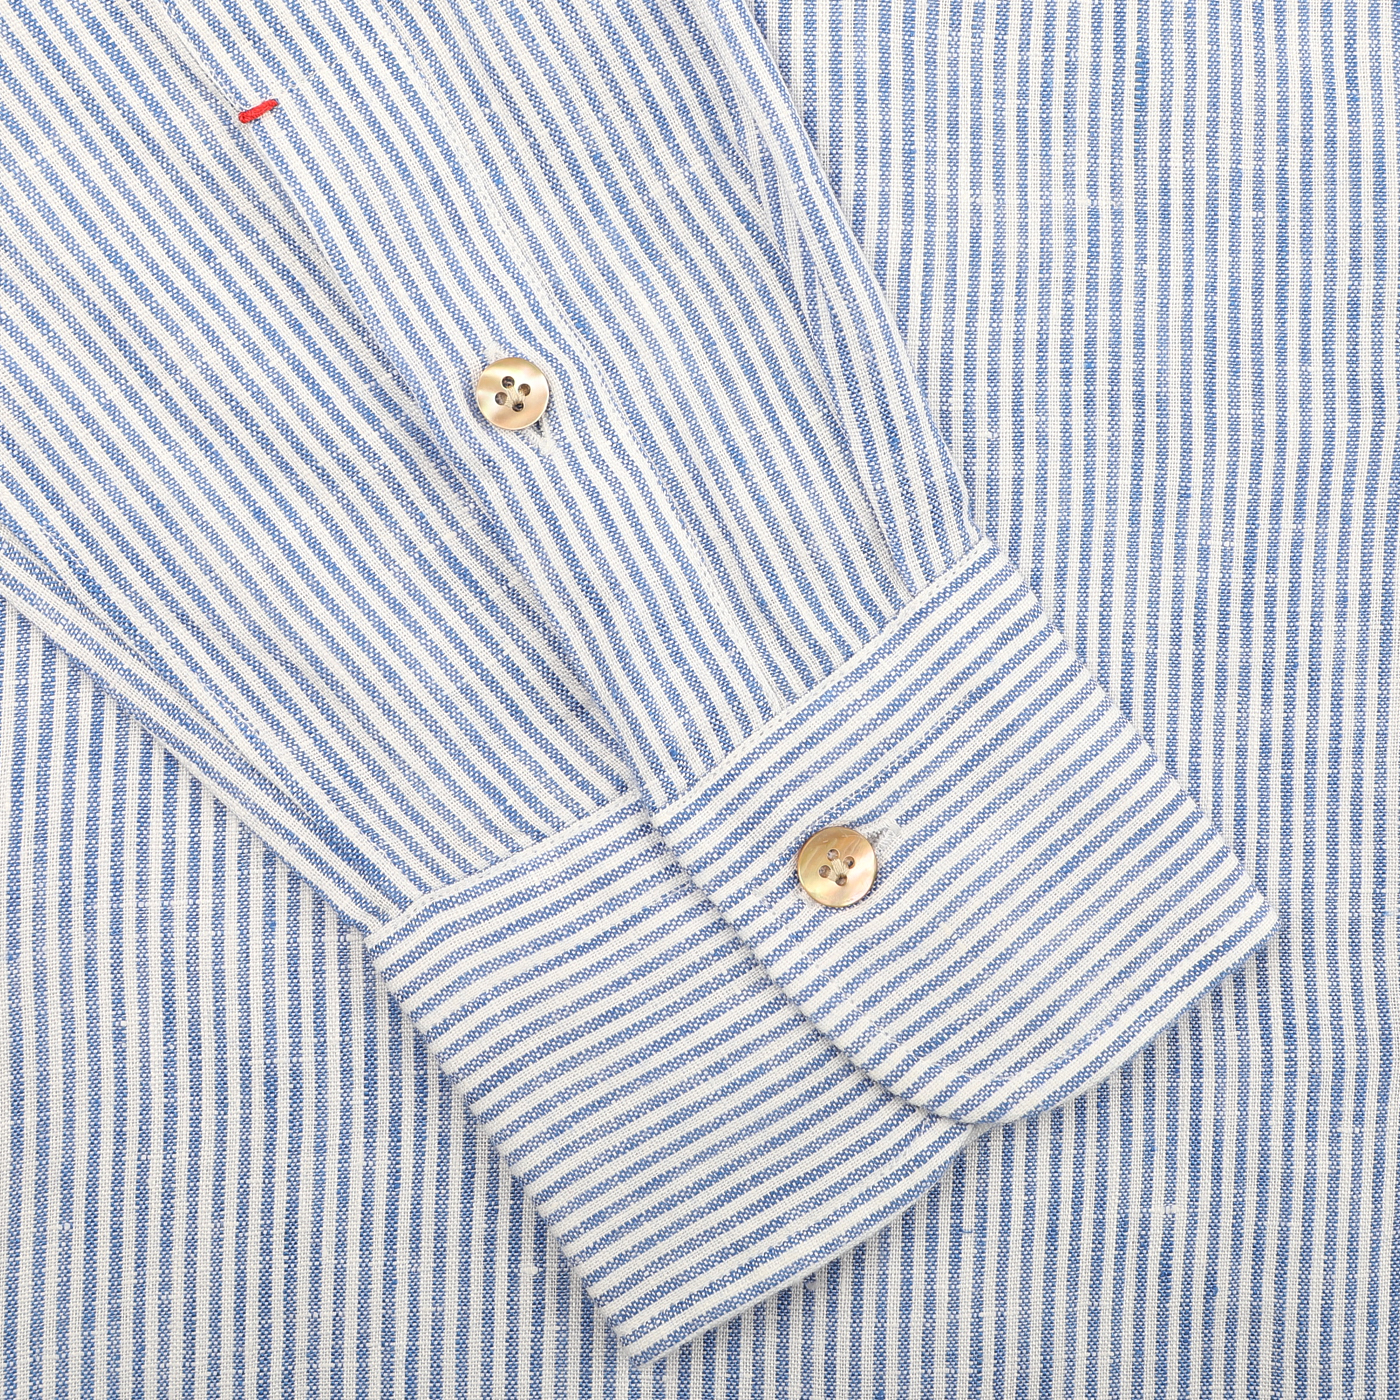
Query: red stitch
{"points": [[253, 113]]}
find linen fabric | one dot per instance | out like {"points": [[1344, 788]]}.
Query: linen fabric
{"points": [[1170, 636], [695, 1142], [235, 1166], [265, 558]]}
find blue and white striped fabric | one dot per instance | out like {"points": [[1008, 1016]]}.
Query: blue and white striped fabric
{"points": [[545, 716], [234, 1167], [502, 696], [403, 719]]}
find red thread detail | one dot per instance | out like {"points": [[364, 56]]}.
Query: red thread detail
{"points": [[253, 113]]}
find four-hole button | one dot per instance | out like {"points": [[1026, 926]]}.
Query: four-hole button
{"points": [[836, 866], [511, 393]]}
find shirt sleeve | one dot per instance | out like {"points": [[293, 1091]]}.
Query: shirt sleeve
{"points": [[741, 511], [549, 712], [218, 498]]}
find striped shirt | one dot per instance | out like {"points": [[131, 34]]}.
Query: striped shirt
{"points": [[543, 717]]}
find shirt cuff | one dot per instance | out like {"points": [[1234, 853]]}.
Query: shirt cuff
{"points": [[1047, 898], [691, 1140]]}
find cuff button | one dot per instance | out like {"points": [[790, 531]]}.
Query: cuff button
{"points": [[836, 866]]}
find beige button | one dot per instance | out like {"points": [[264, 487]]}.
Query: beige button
{"points": [[511, 393], [836, 866]]}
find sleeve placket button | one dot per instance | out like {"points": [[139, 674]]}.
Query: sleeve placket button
{"points": [[511, 393], [836, 866]]}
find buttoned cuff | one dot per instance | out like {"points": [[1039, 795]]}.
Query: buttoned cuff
{"points": [[1047, 898], [693, 1143]]}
